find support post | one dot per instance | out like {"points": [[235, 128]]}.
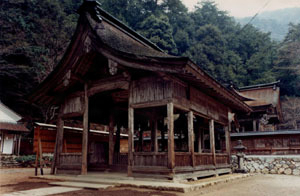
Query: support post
{"points": [[200, 140], [40, 152], [154, 141], [130, 139], [118, 137], [254, 125], [58, 141], [227, 140], [171, 152], [111, 140], [19, 144], [191, 136], [212, 140], [85, 132]]}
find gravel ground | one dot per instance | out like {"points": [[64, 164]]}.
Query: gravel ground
{"points": [[17, 179], [259, 185], [12, 180]]}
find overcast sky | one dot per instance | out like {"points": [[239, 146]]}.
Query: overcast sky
{"points": [[243, 8]]}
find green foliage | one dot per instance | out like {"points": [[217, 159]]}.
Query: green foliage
{"points": [[35, 36], [159, 31], [29, 160], [288, 62]]}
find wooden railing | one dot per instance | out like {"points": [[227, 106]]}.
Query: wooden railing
{"points": [[120, 159], [203, 159], [150, 158], [222, 158], [71, 160], [183, 159]]}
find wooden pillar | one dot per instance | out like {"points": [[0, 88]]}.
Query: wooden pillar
{"points": [[171, 152], [227, 141], [117, 143], [212, 140], [254, 125], [130, 140], [154, 143], [85, 133], [200, 140], [111, 140], [59, 140], [141, 140], [19, 145], [191, 136], [2, 141]]}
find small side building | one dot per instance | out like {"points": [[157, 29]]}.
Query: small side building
{"points": [[259, 130], [10, 131], [264, 99]]}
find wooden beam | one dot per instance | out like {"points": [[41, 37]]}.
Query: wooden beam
{"points": [[150, 104], [171, 152], [111, 139], [212, 140], [191, 136], [84, 155], [59, 140], [130, 139], [107, 85]]}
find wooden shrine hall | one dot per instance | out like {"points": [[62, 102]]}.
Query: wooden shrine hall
{"points": [[113, 76]]}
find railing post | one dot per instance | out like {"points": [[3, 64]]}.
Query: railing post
{"points": [[171, 152], [191, 136]]}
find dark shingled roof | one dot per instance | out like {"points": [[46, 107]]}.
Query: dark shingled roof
{"points": [[119, 40], [263, 133]]}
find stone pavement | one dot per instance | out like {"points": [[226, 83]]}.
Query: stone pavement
{"points": [[42, 191], [156, 184], [82, 185]]}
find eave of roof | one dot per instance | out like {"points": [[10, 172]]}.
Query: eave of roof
{"points": [[264, 133], [258, 86], [76, 129], [13, 127]]}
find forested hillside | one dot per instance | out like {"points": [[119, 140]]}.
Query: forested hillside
{"points": [[35, 33], [276, 22]]}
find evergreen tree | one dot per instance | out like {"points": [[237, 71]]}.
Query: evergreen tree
{"points": [[159, 31]]}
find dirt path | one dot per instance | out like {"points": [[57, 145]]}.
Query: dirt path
{"points": [[12, 180], [17, 179]]}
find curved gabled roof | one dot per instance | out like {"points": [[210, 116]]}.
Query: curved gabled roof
{"points": [[115, 40]]}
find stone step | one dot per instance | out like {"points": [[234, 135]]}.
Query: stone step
{"points": [[82, 185], [43, 191]]}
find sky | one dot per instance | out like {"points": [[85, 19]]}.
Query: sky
{"points": [[244, 8]]}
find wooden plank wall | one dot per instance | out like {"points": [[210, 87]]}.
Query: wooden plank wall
{"points": [[269, 145], [208, 106], [72, 141], [149, 90]]}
